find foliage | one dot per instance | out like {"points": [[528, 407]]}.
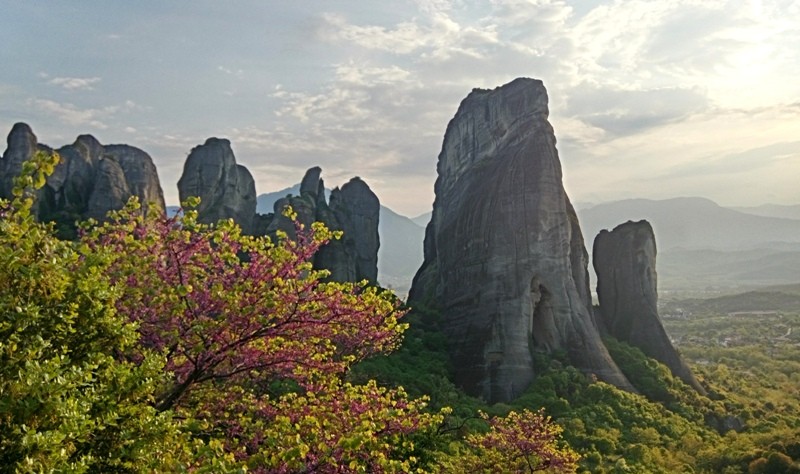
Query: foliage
{"points": [[520, 442], [258, 343], [65, 402], [668, 427], [157, 344], [223, 306]]}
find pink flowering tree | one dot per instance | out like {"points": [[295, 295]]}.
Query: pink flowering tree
{"points": [[521, 442], [258, 344]]}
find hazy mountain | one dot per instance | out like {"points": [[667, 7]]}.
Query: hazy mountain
{"points": [[703, 245], [400, 252], [422, 219], [691, 223], [700, 244], [773, 210]]}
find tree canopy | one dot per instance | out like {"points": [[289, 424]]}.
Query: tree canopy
{"points": [[163, 344]]}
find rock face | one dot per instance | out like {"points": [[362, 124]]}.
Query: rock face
{"points": [[504, 256], [21, 145], [90, 180], [625, 263], [357, 209], [354, 209], [226, 189]]}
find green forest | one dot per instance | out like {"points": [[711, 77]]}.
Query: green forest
{"points": [[748, 361], [151, 344]]}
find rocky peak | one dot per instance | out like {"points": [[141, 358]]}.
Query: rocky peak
{"points": [[311, 182], [90, 180], [21, 145], [21, 141], [504, 257], [487, 119], [625, 263], [357, 209], [226, 189], [354, 209], [88, 146], [139, 172]]}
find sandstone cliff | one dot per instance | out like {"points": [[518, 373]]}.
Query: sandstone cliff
{"points": [[504, 256], [90, 180], [226, 189], [625, 263]]}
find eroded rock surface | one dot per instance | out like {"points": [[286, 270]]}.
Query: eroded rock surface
{"points": [[625, 263], [504, 256], [354, 209], [226, 189], [90, 180], [21, 145], [357, 210]]}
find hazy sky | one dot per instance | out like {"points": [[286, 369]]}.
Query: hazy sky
{"points": [[648, 98]]}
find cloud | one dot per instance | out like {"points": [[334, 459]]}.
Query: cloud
{"points": [[623, 78], [407, 37], [433, 37], [75, 83], [231, 72], [625, 112], [71, 114], [361, 97], [740, 162]]}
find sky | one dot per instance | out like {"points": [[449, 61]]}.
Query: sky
{"points": [[649, 99]]}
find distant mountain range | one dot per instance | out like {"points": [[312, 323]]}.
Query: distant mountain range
{"points": [[691, 223], [701, 245], [772, 210]]}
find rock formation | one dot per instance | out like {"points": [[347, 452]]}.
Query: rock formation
{"points": [[357, 210], [354, 209], [90, 180], [21, 146], [504, 256], [625, 263], [226, 190]]}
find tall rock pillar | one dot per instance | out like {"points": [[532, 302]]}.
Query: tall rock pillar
{"points": [[625, 263], [504, 256]]}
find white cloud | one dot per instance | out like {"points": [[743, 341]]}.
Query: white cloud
{"points": [[625, 112], [626, 79], [74, 115], [231, 72], [636, 87], [75, 83], [406, 37]]}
